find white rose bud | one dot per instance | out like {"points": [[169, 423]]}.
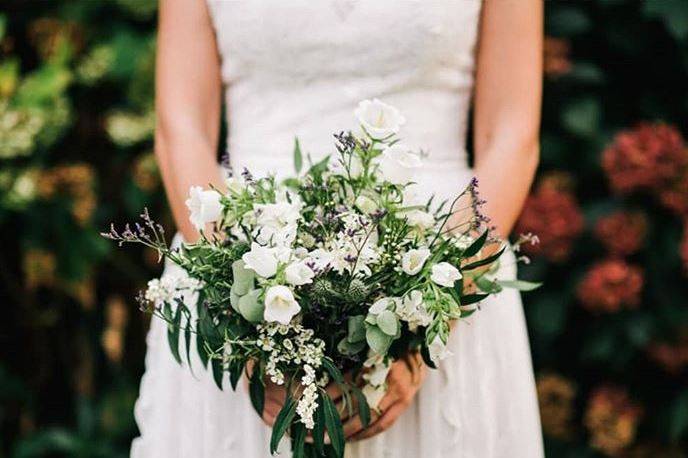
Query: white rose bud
{"points": [[379, 119], [280, 305], [444, 274], [438, 350], [261, 260], [398, 164], [365, 204], [413, 260], [204, 205], [298, 273]]}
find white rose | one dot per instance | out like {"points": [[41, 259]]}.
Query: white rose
{"points": [[444, 274], [374, 394], [365, 204], [413, 260], [421, 219], [298, 273], [262, 260], [438, 350], [204, 205], [280, 305], [379, 119], [398, 164]]}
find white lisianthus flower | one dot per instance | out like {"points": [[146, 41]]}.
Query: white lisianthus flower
{"points": [[420, 219], [374, 394], [444, 274], [262, 260], [365, 204], [379, 119], [204, 205], [413, 260], [398, 164], [298, 273], [280, 305], [438, 350]]}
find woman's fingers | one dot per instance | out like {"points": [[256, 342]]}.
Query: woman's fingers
{"points": [[383, 423]]}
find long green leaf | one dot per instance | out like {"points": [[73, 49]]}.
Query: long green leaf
{"points": [[474, 247], [363, 407], [472, 298], [257, 391], [173, 332], [218, 372], [298, 156], [282, 422], [520, 285], [484, 262], [298, 433], [319, 429], [333, 424], [334, 372]]}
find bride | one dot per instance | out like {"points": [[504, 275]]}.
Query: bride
{"points": [[298, 68]]}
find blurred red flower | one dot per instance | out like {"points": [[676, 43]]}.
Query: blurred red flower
{"points": [[674, 196], [651, 156], [622, 233], [612, 420], [610, 285], [552, 214]]}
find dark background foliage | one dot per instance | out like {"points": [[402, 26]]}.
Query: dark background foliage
{"points": [[609, 330]]}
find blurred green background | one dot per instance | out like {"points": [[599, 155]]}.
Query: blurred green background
{"points": [[609, 330]]}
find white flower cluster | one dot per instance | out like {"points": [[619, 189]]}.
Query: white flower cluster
{"points": [[295, 346], [170, 287]]}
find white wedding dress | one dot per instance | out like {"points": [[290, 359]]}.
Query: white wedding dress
{"points": [[299, 68]]}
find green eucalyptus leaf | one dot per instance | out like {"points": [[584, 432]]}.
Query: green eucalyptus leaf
{"points": [[388, 323], [347, 348], [356, 329], [469, 299], [251, 308], [298, 433], [243, 278], [378, 340], [319, 428]]}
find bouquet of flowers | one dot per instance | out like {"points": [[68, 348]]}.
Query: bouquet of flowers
{"points": [[333, 271]]}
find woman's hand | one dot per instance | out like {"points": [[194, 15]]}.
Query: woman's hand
{"points": [[403, 382]]}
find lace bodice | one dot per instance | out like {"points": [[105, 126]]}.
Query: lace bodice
{"points": [[300, 67]]}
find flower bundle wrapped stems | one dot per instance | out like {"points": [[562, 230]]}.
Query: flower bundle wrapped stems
{"points": [[317, 284]]}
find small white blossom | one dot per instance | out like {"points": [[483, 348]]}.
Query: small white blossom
{"points": [[438, 350]]}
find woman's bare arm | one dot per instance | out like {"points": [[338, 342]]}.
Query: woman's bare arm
{"points": [[187, 96], [507, 105]]}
